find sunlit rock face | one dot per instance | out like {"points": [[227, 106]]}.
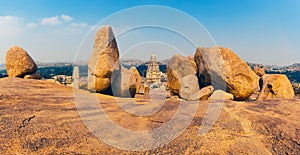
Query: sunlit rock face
{"points": [[103, 61], [19, 63], [223, 69]]}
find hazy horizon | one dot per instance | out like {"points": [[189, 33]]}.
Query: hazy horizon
{"points": [[263, 32], [144, 60]]}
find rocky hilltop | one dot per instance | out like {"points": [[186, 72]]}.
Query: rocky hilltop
{"points": [[40, 117]]}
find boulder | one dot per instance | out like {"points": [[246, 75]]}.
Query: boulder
{"points": [[202, 94], [259, 71], [276, 86], [223, 69], [136, 75], [145, 89], [178, 67], [33, 76], [103, 61], [19, 63], [206, 92], [188, 87], [221, 95], [124, 83], [191, 57]]}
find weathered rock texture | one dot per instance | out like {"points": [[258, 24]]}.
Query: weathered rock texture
{"points": [[206, 92], [124, 84], [137, 77], [221, 95], [202, 94], [188, 87], [40, 117], [103, 61], [276, 86], [19, 63], [178, 67], [259, 71], [223, 69], [145, 89]]}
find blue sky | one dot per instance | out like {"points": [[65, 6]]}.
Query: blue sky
{"points": [[262, 31]]}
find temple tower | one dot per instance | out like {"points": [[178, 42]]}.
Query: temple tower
{"points": [[153, 73]]}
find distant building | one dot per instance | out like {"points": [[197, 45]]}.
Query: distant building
{"points": [[153, 73]]}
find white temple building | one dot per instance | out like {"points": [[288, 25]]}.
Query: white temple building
{"points": [[153, 73]]}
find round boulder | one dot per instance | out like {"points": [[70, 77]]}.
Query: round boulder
{"points": [[19, 63], [178, 67], [223, 69], [221, 95], [203, 94], [276, 86]]}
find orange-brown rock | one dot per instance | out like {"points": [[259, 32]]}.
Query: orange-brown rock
{"points": [[191, 57], [221, 95], [276, 86], [40, 117], [103, 61], [178, 67], [136, 75], [259, 71], [145, 89], [206, 92], [203, 94], [19, 63], [223, 69]]}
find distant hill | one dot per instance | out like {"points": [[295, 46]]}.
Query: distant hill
{"points": [[292, 71], [293, 67]]}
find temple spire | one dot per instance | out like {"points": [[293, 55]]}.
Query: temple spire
{"points": [[153, 72]]}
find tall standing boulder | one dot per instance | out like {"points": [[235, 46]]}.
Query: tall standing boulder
{"points": [[223, 69], [103, 61], [276, 86], [178, 67], [19, 63], [137, 77]]}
